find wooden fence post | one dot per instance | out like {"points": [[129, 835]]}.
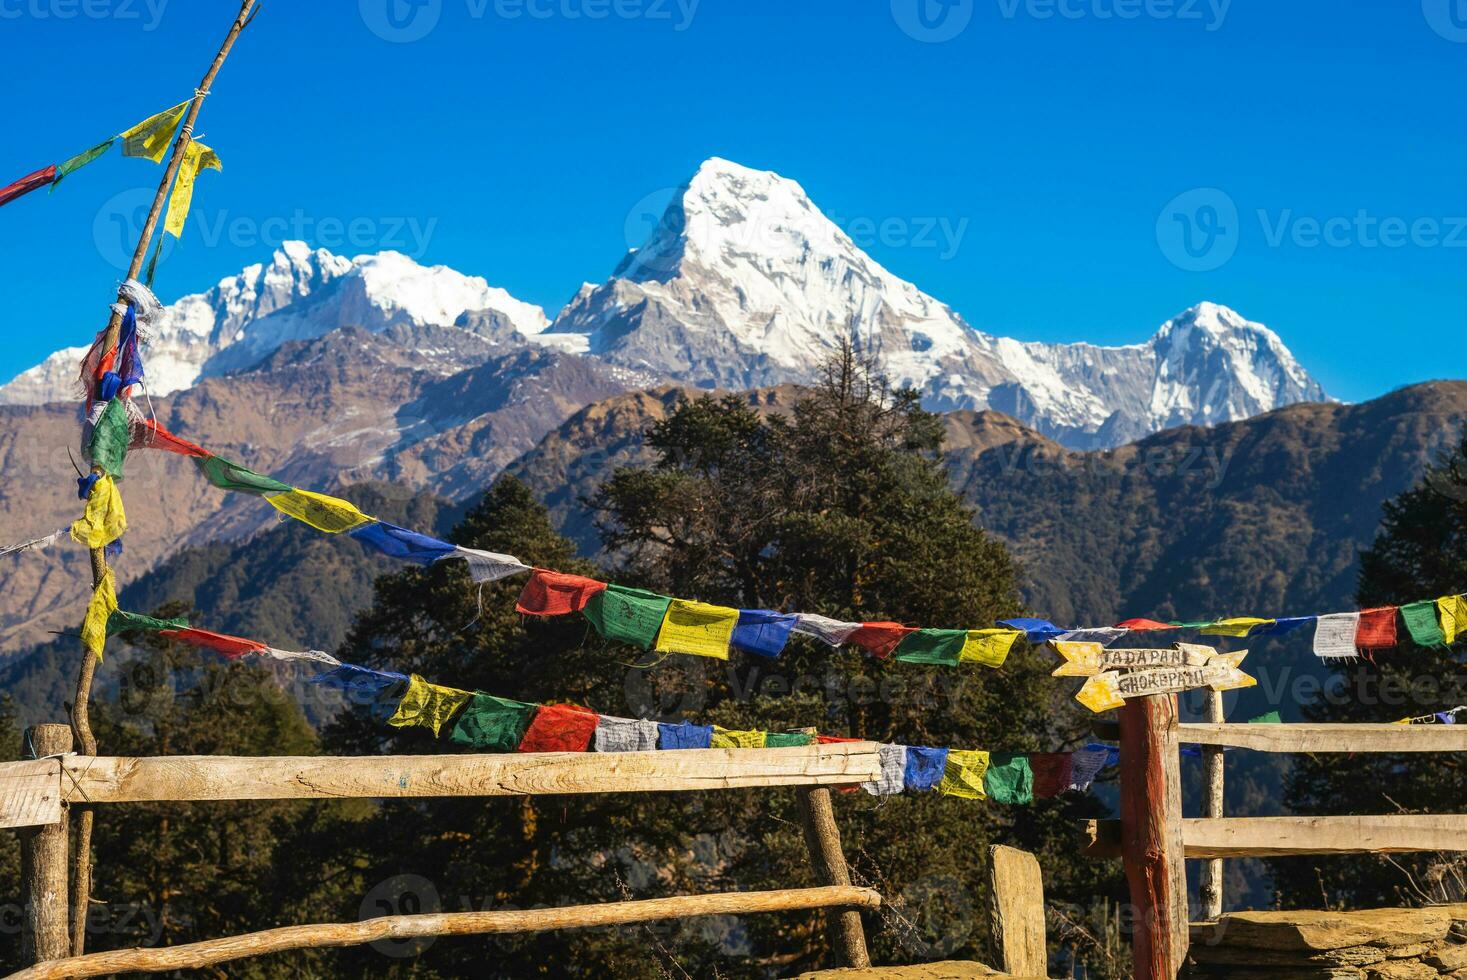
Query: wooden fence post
{"points": [[1016, 912], [1151, 835], [43, 858], [822, 836], [1210, 885]]}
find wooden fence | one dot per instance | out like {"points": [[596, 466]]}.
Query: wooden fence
{"points": [[1154, 840]]}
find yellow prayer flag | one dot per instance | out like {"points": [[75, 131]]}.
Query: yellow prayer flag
{"points": [[330, 514], [697, 628], [428, 705], [150, 138], [99, 610], [1237, 626], [1453, 611], [964, 773], [724, 738], [989, 646], [197, 157], [104, 519]]}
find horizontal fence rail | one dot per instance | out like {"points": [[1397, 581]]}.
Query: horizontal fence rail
{"points": [[1240, 837], [1327, 738]]}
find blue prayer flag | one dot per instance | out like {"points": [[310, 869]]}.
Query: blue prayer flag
{"points": [[1280, 627], [684, 736], [762, 631], [1038, 630], [398, 542], [925, 767]]}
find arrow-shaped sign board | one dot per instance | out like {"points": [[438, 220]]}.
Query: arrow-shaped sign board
{"points": [[1115, 675]]}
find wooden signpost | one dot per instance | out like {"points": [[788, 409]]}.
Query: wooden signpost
{"points": [[1113, 676]]}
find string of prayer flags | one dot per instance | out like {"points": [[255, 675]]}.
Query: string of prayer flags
{"points": [[428, 705], [550, 593], [492, 724], [26, 184], [626, 615], [625, 735], [684, 736], [963, 774], [331, 515], [698, 629], [1377, 629], [151, 138], [1334, 636], [763, 632], [196, 158], [1421, 623], [99, 610], [104, 520], [560, 728], [1453, 611]]}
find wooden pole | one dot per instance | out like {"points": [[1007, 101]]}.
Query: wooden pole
{"points": [[1151, 835], [1016, 912], [194, 956], [822, 836], [43, 865], [81, 723], [1211, 883]]}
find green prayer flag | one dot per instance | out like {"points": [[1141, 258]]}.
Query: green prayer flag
{"points": [[231, 476], [781, 740], [79, 161], [1009, 779], [1200, 624], [625, 615], [496, 724], [1421, 620], [110, 436], [1272, 718], [932, 647], [126, 622]]}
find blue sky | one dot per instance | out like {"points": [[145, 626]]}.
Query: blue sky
{"points": [[1053, 169]]}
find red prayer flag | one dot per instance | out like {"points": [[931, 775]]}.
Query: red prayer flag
{"points": [[150, 435], [560, 728], [835, 739], [550, 593], [27, 184], [232, 647], [880, 639], [1052, 773], [1377, 629], [1142, 625]]}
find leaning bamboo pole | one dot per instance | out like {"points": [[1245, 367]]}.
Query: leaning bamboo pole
{"points": [[196, 956], [81, 723]]}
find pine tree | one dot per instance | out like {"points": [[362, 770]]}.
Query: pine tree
{"points": [[1418, 554]]}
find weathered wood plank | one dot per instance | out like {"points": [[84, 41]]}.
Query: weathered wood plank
{"points": [[1016, 912], [1329, 738], [194, 956], [185, 778], [1210, 882], [30, 793], [1237, 837]]}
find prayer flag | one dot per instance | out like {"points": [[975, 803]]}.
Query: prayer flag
{"points": [[990, 647], [932, 647], [1036, 630], [1377, 629], [725, 738], [99, 610], [1085, 765], [329, 514], [925, 767], [1104, 635], [126, 622], [197, 157], [550, 593], [81, 160], [399, 542], [150, 138], [361, 682], [487, 566], [493, 724], [1052, 773], [880, 639], [26, 184], [1334, 636], [623, 615], [1237, 626], [763, 632], [893, 771], [1143, 625], [831, 632], [313, 656], [148, 434], [1454, 617], [698, 629], [35, 544], [232, 647], [785, 740], [625, 735], [560, 728], [1282, 626], [1269, 718], [1009, 779], [428, 705], [963, 774], [1421, 622], [107, 446], [684, 736], [231, 476], [104, 520]]}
